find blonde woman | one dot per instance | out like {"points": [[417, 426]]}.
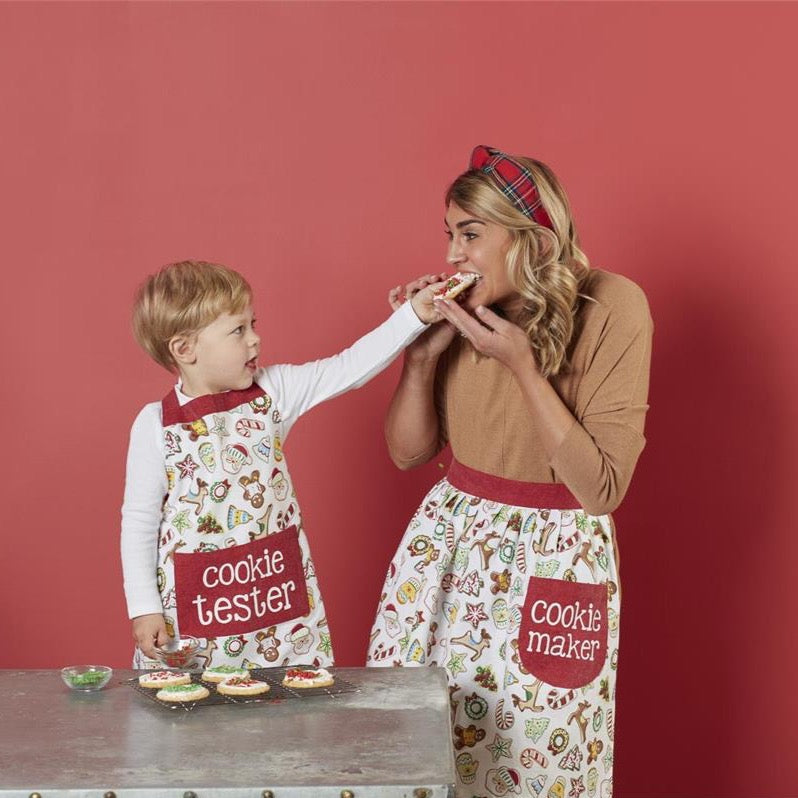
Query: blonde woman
{"points": [[507, 575]]}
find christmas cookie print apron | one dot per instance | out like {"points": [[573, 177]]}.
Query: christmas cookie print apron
{"points": [[234, 566], [513, 589]]}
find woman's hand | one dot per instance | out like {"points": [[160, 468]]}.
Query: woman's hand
{"points": [[494, 336], [149, 631], [431, 344]]}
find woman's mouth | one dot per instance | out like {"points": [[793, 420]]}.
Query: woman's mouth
{"points": [[252, 364]]}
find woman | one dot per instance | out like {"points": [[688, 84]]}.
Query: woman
{"points": [[507, 575]]}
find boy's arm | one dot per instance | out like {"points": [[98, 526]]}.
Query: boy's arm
{"points": [[145, 488], [299, 388]]}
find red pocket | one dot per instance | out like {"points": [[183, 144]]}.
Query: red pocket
{"points": [[241, 589], [563, 634]]}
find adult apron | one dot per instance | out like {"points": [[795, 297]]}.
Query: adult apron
{"points": [[513, 589], [234, 565]]}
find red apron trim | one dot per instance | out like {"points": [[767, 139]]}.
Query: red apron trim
{"points": [[550, 495], [563, 634], [242, 588], [175, 413]]}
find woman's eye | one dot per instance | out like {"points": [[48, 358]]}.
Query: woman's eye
{"points": [[469, 236], [238, 330]]}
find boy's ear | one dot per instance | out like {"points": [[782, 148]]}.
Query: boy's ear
{"points": [[182, 349]]}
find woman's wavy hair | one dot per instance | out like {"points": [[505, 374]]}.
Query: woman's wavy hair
{"points": [[546, 267]]}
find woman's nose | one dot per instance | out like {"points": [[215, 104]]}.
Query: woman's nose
{"points": [[454, 253]]}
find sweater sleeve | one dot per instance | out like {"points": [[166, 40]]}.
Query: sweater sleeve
{"points": [[598, 455], [298, 388], [145, 488]]}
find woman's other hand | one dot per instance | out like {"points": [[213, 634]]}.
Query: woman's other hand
{"points": [[491, 335]]}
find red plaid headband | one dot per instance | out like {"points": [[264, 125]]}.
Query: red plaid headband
{"points": [[513, 180]]}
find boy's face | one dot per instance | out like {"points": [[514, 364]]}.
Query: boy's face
{"points": [[225, 355]]}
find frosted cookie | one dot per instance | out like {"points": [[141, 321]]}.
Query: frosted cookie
{"points": [[306, 677], [457, 284], [183, 692], [221, 672], [163, 678], [238, 685]]}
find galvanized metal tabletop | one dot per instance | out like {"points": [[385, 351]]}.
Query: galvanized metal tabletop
{"points": [[391, 739]]}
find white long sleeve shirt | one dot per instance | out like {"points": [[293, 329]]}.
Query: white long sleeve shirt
{"points": [[294, 389]]}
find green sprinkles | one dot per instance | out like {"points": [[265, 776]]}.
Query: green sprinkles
{"points": [[83, 679], [180, 688]]}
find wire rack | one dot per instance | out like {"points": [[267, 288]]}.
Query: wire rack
{"points": [[272, 676]]}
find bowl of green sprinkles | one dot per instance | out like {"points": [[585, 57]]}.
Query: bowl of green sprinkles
{"points": [[86, 678]]}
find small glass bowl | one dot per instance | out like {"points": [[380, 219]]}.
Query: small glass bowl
{"points": [[86, 678], [178, 653]]}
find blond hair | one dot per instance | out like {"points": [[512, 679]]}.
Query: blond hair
{"points": [[546, 267], [181, 299]]}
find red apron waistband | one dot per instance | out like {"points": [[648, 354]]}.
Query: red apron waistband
{"points": [[552, 495]]}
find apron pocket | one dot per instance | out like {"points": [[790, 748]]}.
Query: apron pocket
{"points": [[563, 635], [242, 588]]}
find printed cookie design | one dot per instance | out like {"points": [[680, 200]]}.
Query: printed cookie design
{"points": [[245, 426], [195, 497], [234, 457], [301, 638], [503, 781], [467, 768], [253, 488], [279, 484]]}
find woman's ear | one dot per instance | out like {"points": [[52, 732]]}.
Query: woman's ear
{"points": [[182, 348]]}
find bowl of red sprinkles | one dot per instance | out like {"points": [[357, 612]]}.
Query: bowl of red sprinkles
{"points": [[178, 653]]}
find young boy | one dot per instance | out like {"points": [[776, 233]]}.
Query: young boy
{"points": [[212, 538]]}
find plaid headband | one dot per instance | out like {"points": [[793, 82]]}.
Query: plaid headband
{"points": [[513, 180]]}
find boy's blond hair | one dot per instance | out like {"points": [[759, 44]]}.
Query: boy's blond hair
{"points": [[181, 299]]}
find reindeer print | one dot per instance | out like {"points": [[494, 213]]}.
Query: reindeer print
{"points": [[196, 497], [477, 646]]}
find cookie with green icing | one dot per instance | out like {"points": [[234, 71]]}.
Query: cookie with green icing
{"points": [[183, 692], [218, 673]]}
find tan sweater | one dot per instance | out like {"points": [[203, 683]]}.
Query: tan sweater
{"points": [[485, 419]]}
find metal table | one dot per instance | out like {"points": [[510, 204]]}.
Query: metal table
{"points": [[390, 739]]}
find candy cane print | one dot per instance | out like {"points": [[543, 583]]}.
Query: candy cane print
{"points": [[558, 700], [504, 719], [244, 426], [284, 516]]}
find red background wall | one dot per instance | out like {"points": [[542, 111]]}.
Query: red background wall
{"points": [[309, 145]]}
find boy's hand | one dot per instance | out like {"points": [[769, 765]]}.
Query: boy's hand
{"points": [[149, 631], [419, 293], [429, 345]]}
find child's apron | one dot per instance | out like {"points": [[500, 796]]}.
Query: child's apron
{"points": [[234, 566]]}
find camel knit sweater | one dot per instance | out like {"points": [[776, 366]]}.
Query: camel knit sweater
{"points": [[484, 417]]}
